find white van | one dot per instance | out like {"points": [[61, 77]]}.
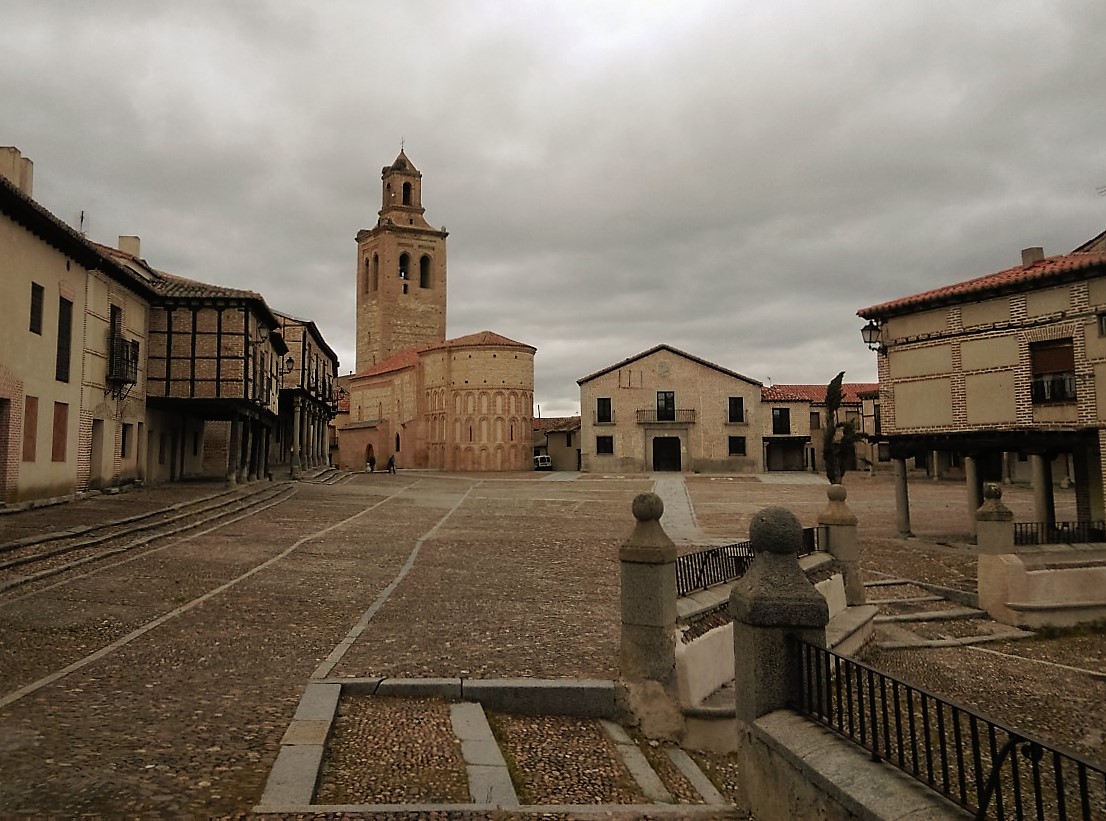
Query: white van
{"points": [[543, 463]]}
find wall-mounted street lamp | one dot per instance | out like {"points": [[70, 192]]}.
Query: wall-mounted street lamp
{"points": [[872, 334], [287, 366]]}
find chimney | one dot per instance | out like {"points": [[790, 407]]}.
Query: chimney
{"points": [[17, 169], [131, 245], [1031, 256]]}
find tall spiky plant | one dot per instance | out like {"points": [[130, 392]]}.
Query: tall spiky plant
{"points": [[838, 438]]}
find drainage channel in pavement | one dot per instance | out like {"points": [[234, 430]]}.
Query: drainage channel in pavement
{"points": [[447, 745]]}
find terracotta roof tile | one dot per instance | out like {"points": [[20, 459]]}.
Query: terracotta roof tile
{"points": [[1016, 278], [481, 338], [815, 394], [552, 424]]}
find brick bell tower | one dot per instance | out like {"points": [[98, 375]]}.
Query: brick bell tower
{"points": [[401, 272]]}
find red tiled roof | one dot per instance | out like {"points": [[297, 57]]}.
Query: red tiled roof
{"points": [[1068, 266], [816, 394], [396, 362], [552, 424], [482, 339]]}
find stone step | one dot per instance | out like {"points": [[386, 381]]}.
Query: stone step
{"points": [[886, 582], [933, 615], [907, 600], [960, 641]]}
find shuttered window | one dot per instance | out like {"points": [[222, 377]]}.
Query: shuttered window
{"points": [[65, 338], [1053, 364]]}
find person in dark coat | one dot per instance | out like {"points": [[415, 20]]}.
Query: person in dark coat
{"points": [[392, 463]]}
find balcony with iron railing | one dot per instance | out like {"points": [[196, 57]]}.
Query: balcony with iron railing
{"points": [[678, 416], [122, 360]]}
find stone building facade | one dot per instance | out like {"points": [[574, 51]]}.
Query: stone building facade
{"points": [[72, 326], [1004, 365], [666, 409], [460, 404]]}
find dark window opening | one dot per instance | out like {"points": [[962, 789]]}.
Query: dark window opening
{"points": [[604, 444], [666, 406], [1053, 364], [407, 193], [424, 272], [736, 409], [404, 266], [61, 432], [737, 446], [877, 422], [38, 297], [815, 420], [65, 339], [603, 413], [781, 421]]}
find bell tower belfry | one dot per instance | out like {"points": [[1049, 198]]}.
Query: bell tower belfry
{"points": [[401, 272]]}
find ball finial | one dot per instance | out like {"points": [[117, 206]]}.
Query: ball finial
{"points": [[775, 530], [648, 507]]}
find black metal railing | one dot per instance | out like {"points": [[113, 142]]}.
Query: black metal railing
{"points": [[679, 416], [716, 565], [990, 770], [122, 360], [1059, 532]]}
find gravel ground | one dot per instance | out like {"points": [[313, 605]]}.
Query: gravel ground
{"points": [[563, 760], [514, 577], [393, 751]]}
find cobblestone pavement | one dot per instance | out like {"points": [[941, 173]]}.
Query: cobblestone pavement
{"points": [[163, 685]]}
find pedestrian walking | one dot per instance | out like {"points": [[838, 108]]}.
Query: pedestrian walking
{"points": [[392, 463], [372, 464]]}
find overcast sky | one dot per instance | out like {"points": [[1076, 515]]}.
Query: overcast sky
{"points": [[733, 178]]}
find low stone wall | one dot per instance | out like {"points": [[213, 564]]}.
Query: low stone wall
{"points": [[707, 662], [792, 768], [1047, 586]]}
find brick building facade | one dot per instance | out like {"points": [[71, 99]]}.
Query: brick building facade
{"points": [[1002, 366], [460, 404]]}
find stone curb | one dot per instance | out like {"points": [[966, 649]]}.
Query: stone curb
{"points": [[294, 776], [575, 810]]}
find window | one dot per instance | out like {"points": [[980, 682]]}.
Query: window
{"points": [[124, 441], [376, 272], [65, 339], [61, 432], [30, 427], [1053, 364], [736, 410], [666, 406], [815, 420], [877, 421], [38, 296], [397, 443], [407, 193], [1102, 324], [424, 272], [604, 444], [781, 421], [603, 414], [737, 446], [404, 266]]}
